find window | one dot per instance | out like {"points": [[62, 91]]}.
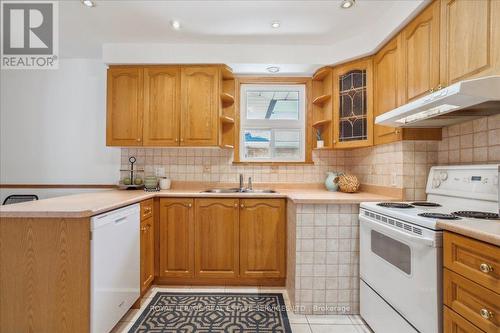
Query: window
{"points": [[272, 123]]}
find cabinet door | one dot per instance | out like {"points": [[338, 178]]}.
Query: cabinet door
{"points": [[161, 106], [147, 253], [262, 238], [176, 230], [421, 45], [388, 85], [216, 238], [124, 106], [353, 105], [200, 105], [470, 35]]}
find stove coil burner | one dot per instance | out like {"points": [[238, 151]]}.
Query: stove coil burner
{"points": [[477, 215], [439, 216], [425, 204], [394, 205]]}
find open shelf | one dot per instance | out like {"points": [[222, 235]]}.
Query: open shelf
{"points": [[227, 99], [320, 75], [226, 120], [320, 123], [320, 100], [227, 74]]}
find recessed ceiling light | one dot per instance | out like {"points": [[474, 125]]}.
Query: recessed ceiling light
{"points": [[88, 3], [273, 69], [275, 24], [175, 24], [347, 4]]}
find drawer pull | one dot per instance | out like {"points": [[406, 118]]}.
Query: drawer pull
{"points": [[486, 314], [485, 268], [189, 205], [144, 229]]}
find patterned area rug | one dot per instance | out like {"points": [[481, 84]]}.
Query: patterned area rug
{"points": [[213, 313]]}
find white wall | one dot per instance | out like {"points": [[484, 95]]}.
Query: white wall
{"points": [[53, 124]]}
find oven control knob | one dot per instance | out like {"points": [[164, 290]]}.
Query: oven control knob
{"points": [[436, 183], [443, 175]]}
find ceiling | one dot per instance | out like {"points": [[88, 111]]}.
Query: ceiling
{"points": [[321, 27]]}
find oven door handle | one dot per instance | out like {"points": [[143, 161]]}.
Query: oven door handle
{"points": [[397, 233]]}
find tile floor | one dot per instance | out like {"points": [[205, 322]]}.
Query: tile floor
{"points": [[299, 323]]}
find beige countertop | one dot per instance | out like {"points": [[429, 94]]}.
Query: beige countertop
{"points": [[483, 230], [89, 204]]}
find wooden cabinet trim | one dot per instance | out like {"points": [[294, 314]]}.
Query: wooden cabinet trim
{"points": [[454, 323]]}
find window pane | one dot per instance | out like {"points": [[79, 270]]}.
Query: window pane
{"points": [[273, 105], [392, 251], [353, 106], [257, 143], [287, 144]]}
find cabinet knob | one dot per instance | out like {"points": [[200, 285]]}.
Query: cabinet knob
{"points": [[189, 205], [396, 132], [486, 314], [431, 90], [242, 206], [182, 139], [439, 87], [235, 205], [485, 268], [143, 229], [138, 139], [176, 140]]}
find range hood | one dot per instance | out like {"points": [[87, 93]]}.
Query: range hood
{"points": [[459, 102]]}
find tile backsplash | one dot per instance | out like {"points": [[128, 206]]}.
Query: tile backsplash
{"points": [[474, 142], [216, 165]]}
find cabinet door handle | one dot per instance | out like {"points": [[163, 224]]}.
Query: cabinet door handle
{"points": [[176, 140], [235, 205], [189, 205], [485, 268], [486, 314], [138, 139], [182, 140], [431, 90], [439, 87], [144, 229], [242, 206]]}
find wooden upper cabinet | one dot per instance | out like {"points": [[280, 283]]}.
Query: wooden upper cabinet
{"points": [[421, 49], [388, 87], [161, 106], [262, 238], [124, 106], [176, 235], [199, 105], [353, 104], [216, 238], [470, 38]]}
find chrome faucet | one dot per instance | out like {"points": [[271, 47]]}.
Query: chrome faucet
{"points": [[241, 183]]}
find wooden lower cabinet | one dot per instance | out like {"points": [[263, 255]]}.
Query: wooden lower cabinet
{"points": [[218, 241], [216, 238], [147, 245], [262, 238], [176, 238], [470, 285]]}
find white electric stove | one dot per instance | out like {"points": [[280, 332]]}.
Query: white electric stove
{"points": [[401, 247]]}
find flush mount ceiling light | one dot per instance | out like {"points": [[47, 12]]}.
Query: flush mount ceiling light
{"points": [[347, 4], [273, 69], [275, 24], [175, 24], [88, 3]]}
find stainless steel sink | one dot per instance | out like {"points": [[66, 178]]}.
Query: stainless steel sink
{"points": [[222, 190], [237, 190], [259, 191]]}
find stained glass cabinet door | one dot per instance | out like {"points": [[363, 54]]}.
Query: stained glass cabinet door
{"points": [[353, 105]]}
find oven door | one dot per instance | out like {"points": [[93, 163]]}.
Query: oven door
{"points": [[404, 269]]}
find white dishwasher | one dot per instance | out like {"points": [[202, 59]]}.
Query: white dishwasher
{"points": [[114, 267]]}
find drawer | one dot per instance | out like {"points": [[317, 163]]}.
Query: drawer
{"points": [[454, 323], [477, 261], [146, 209], [477, 304]]}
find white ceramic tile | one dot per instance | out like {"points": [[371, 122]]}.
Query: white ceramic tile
{"points": [[300, 328], [333, 329], [329, 319]]}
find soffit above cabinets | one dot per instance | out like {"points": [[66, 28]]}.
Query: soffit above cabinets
{"points": [[311, 32]]}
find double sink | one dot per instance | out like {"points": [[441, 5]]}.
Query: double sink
{"points": [[237, 190]]}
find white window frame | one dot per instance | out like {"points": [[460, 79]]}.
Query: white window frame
{"points": [[273, 124]]}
